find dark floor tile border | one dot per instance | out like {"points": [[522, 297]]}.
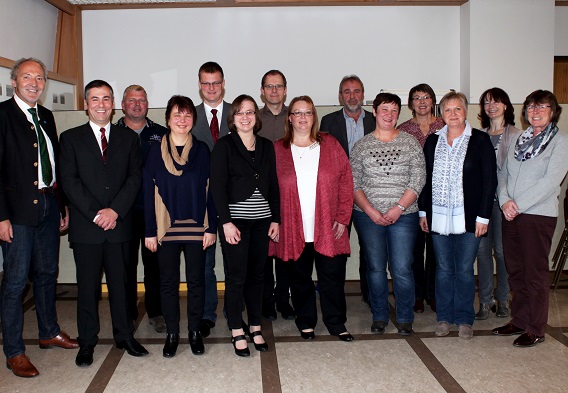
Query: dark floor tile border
{"points": [[106, 371], [269, 362], [557, 334]]}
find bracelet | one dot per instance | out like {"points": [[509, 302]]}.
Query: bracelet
{"points": [[401, 207]]}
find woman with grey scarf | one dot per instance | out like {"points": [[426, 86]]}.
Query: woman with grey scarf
{"points": [[529, 185]]}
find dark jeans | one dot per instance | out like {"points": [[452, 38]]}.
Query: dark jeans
{"points": [[169, 259], [151, 272], [331, 280], [526, 242], [280, 293], [244, 271], [90, 260], [33, 250], [424, 270], [211, 297]]}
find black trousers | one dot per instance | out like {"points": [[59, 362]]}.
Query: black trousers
{"points": [[151, 272], [169, 260], [280, 293], [424, 270], [244, 271], [331, 280], [90, 260]]}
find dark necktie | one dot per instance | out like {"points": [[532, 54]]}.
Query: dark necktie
{"points": [[104, 144], [214, 126], [46, 172]]}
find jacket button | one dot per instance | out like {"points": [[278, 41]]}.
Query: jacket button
{"points": [[35, 183], [107, 187], [33, 128], [35, 164], [35, 144], [35, 201]]}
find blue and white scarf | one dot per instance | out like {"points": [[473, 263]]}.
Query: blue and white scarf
{"points": [[448, 214], [529, 146]]}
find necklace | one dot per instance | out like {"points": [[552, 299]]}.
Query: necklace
{"points": [[301, 151], [251, 146]]}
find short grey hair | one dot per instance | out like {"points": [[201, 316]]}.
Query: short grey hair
{"points": [[16, 67]]}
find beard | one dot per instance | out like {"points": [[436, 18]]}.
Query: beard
{"points": [[353, 108]]}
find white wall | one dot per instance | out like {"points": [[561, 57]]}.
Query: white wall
{"points": [[162, 49], [28, 30], [511, 46], [561, 31]]}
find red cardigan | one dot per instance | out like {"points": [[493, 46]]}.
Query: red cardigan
{"points": [[334, 202]]}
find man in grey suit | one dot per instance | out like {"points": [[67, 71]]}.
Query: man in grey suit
{"points": [[211, 125], [348, 125]]}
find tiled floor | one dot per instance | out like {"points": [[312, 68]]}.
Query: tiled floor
{"points": [[372, 363]]}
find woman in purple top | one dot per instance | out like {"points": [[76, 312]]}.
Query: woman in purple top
{"points": [[422, 102]]}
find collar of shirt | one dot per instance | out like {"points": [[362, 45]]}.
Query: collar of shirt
{"points": [[266, 110], [210, 115], [24, 107], [360, 119], [97, 131], [122, 123]]}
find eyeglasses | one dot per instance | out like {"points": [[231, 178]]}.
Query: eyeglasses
{"points": [[300, 114], [420, 98], [277, 87], [248, 113], [532, 108], [215, 84]]}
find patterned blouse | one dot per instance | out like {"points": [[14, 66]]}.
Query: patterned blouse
{"points": [[413, 129]]}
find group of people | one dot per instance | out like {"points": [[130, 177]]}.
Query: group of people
{"points": [[281, 195]]}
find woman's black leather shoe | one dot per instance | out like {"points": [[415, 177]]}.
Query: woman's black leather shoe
{"points": [[171, 345], [259, 347], [308, 335], [346, 337], [240, 352]]}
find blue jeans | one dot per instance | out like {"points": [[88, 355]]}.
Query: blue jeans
{"points": [[35, 250], [492, 245], [211, 300], [455, 280], [395, 244]]}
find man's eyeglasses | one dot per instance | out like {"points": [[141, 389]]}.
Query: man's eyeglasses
{"points": [[209, 84], [277, 87]]}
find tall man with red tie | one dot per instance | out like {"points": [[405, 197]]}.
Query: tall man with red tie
{"points": [[30, 217], [211, 125], [101, 176]]}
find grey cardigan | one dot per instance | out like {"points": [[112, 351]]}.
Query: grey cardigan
{"points": [[534, 184]]}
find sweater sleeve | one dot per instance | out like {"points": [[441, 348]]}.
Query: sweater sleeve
{"points": [[345, 191], [356, 161], [417, 167], [274, 190]]}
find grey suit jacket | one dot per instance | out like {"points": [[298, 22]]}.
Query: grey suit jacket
{"points": [[334, 124], [201, 128]]}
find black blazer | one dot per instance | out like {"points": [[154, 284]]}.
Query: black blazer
{"points": [[235, 176], [18, 162], [201, 129], [334, 124], [91, 184], [479, 178]]}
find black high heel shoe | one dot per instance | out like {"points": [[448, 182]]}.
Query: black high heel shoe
{"points": [[259, 347], [240, 352]]}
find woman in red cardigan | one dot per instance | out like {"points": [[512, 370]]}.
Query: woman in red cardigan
{"points": [[316, 200]]}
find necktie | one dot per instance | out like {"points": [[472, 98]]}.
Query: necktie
{"points": [[46, 172], [104, 144], [214, 126]]}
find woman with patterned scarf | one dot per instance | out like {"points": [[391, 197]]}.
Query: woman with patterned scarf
{"points": [[455, 205], [180, 216], [529, 185]]}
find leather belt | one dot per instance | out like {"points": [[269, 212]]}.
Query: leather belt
{"points": [[45, 190]]}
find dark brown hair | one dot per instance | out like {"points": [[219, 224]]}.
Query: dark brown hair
{"points": [[498, 95], [236, 105], [540, 97], [184, 104], [289, 131], [426, 89]]}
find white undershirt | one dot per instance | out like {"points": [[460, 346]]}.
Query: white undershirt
{"points": [[306, 164]]}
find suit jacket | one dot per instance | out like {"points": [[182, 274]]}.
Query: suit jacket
{"points": [[201, 128], [91, 184], [234, 175], [479, 178], [18, 162], [334, 124]]}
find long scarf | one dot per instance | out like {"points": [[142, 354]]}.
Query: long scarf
{"points": [[448, 213], [529, 146]]}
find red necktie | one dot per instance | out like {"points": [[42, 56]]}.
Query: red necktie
{"points": [[214, 126], [104, 144]]}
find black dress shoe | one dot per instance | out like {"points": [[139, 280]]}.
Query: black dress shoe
{"points": [[507, 330], [419, 306], [405, 329], [85, 356], [379, 327], [526, 340], [259, 347], [133, 347], [240, 352], [346, 337], [196, 343], [307, 335], [205, 327], [269, 312], [286, 311], [171, 345]]}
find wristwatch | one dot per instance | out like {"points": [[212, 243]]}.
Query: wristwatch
{"points": [[401, 207]]}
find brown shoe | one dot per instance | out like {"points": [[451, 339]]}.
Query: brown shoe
{"points": [[21, 366], [62, 340]]}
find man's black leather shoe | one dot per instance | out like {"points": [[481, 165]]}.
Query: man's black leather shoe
{"points": [[85, 356], [527, 340], [196, 343], [171, 345], [405, 329], [133, 347]]}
